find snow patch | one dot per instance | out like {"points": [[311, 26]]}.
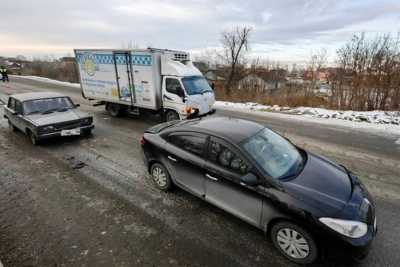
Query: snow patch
{"points": [[51, 81], [383, 122]]}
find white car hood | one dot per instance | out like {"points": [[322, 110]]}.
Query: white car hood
{"points": [[56, 117]]}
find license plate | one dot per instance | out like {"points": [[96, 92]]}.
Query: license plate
{"points": [[71, 132]]}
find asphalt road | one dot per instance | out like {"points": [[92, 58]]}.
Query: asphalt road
{"points": [[110, 204]]}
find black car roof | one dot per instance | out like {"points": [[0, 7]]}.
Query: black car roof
{"points": [[233, 129]]}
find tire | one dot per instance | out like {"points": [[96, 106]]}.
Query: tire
{"points": [[171, 115], [294, 242], [160, 176], [11, 126], [33, 138], [115, 110]]}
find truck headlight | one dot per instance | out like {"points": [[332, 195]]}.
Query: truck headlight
{"points": [[353, 229], [190, 110]]}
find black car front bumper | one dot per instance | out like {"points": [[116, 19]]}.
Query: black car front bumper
{"points": [[335, 245]]}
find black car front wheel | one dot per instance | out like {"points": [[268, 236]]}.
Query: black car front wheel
{"points": [[294, 242], [161, 177]]}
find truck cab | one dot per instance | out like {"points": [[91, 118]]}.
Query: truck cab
{"points": [[184, 90]]}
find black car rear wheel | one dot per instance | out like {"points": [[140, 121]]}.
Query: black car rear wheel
{"points": [[294, 242], [161, 177]]}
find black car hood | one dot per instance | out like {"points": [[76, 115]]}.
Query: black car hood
{"points": [[322, 185]]}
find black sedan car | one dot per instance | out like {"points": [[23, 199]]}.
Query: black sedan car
{"points": [[304, 202]]}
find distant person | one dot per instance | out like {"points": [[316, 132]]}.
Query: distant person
{"points": [[4, 74]]}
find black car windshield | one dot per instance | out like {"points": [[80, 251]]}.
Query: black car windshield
{"points": [[47, 105], [196, 85], [274, 154]]}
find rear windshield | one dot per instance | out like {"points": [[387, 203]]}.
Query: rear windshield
{"points": [[47, 105]]}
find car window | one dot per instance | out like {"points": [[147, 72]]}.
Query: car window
{"points": [[11, 103], [18, 107], [190, 143], [172, 85], [47, 104], [226, 158]]}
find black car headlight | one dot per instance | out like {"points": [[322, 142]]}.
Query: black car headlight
{"points": [[353, 229]]}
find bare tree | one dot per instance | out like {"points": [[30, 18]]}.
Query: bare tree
{"points": [[235, 43]]}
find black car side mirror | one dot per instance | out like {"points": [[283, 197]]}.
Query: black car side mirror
{"points": [[77, 105], [249, 179]]}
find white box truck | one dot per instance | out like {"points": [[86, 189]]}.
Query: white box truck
{"points": [[159, 80]]}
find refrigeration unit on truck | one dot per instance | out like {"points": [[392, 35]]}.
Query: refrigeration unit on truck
{"points": [[163, 81]]}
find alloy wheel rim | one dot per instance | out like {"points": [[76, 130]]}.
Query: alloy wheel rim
{"points": [[159, 176], [293, 243]]}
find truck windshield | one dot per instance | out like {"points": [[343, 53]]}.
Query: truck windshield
{"points": [[47, 105], [196, 85]]}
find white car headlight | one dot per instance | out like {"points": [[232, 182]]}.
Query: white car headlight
{"points": [[48, 128], [348, 228]]}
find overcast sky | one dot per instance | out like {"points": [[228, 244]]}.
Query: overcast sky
{"points": [[285, 30]]}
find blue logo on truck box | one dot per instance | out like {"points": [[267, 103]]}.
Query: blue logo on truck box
{"points": [[136, 59]]}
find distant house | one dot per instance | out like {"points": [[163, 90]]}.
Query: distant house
{"points": [[323, 89], [67, 61], [261, 80], [14, 65]]}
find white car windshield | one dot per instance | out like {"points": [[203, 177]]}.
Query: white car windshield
{"points": [[47, 105], [196, 85], [274, 154]]}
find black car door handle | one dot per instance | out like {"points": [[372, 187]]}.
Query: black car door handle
{"points": [[172, 159], [211, 177]]}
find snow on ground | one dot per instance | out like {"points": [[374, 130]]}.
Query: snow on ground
{"points": [[383, 122], [47, 80]]}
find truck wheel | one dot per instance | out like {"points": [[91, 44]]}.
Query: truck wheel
{"points": [[114, 109], [171, 115]]}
